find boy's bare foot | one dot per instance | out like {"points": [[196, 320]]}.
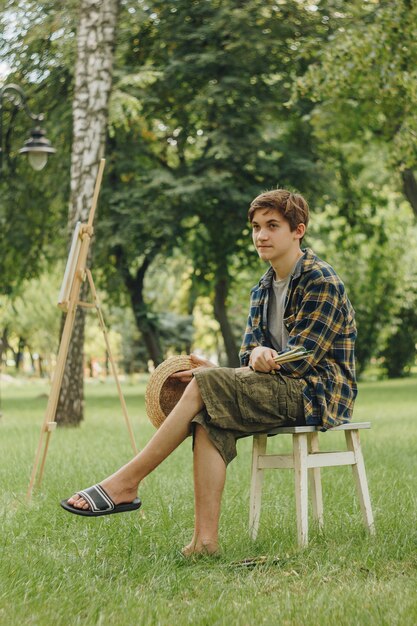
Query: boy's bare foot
{"points": [[200, 548], [116, 488]]}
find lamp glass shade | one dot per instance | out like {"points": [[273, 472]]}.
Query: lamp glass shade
{"points": [[37, 159]]}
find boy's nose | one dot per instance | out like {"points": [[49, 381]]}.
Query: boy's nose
{"points": [[263, 234]]}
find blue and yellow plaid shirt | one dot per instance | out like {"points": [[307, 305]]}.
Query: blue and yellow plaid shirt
{"points": [[319, 316]]}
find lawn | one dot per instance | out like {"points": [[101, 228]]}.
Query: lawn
{"points": [[127, 569]]}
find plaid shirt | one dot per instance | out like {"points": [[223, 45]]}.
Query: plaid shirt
{"points": [[318, 316]]}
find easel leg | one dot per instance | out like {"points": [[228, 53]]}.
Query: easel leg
{"points": [[112, 362], [45, 452], [52, 401], [35, 466]]}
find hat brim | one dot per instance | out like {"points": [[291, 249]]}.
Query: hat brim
{"points": [[162, 392]]}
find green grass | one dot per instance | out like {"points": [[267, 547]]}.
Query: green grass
{"points": [[126, 570]]}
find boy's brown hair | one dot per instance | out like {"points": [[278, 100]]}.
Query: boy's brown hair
{"points": [[292, 206]]}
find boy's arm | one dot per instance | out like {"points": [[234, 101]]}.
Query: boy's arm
{"points": [[248, 344]]}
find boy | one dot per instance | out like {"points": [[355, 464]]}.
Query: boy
{"points": [[299, 301]]}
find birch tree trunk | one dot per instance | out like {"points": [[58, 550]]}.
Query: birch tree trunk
{"points": [[93, 77]]}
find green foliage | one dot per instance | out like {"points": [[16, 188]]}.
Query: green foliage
{"points": [[206, 125], [400, 350], [36, 40], [195, 133], [32, 314], [202, 118], [30, 232], [365, 82], [373, 264]]}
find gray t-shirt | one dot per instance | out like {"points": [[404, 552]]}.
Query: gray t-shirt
{"points": [[276, 306]]}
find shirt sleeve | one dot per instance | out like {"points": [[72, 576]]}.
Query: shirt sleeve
{"points": [[249, 342], [319, 320]]}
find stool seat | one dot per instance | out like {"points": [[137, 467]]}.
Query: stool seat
{"points": [[312, 429], [306, 461]]}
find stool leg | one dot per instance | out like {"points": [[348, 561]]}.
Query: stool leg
{"points": [[301, 486], [353, 444], [315, 481], [259, 447]]}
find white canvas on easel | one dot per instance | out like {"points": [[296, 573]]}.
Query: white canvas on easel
{"points": [[75, 273], [69, 273]]}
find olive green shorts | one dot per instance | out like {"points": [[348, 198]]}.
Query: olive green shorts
{"points": [[240, 402]]}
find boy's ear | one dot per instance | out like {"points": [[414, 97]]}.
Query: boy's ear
{"points": [[300, 231]]}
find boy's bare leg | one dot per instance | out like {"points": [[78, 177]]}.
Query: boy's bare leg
{"points": [[122, 486], [209, 479]]}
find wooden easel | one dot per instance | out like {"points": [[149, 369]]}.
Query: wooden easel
{"points": [[75, 273]]}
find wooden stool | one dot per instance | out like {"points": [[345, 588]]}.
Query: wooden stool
{"points": [[306, 459]]}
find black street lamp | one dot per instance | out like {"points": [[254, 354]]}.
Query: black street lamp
{"points": [[37, 147]]}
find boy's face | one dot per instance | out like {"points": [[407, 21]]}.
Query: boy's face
{"points": [[273, 237]]}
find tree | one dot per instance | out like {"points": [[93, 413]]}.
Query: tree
{"points": [[364, 85], [374, 264], [30, 319], [211, 132], [195, 133], [93, 78], [32, 203], [399, 349], [399, 353]]}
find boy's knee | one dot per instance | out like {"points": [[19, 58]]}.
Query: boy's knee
{"points": [[193, 395]]}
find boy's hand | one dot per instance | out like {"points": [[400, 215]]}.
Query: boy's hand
{"points": [[198, 363], [262, 359]]}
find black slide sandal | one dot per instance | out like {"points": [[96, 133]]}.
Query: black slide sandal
{"points": [[100, 503]]}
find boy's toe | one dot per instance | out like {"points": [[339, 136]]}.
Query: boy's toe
{"points": [[78, 502]]}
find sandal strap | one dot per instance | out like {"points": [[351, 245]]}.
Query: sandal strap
{"points": [[97, 498]]}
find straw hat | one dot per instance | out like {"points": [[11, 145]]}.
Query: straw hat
{"points": [[163, 392]]}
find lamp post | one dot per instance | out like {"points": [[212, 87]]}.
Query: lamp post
{"points": [[37, 146]]}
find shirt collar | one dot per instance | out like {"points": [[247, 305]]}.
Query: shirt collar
{"points": [[303, 265]]}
